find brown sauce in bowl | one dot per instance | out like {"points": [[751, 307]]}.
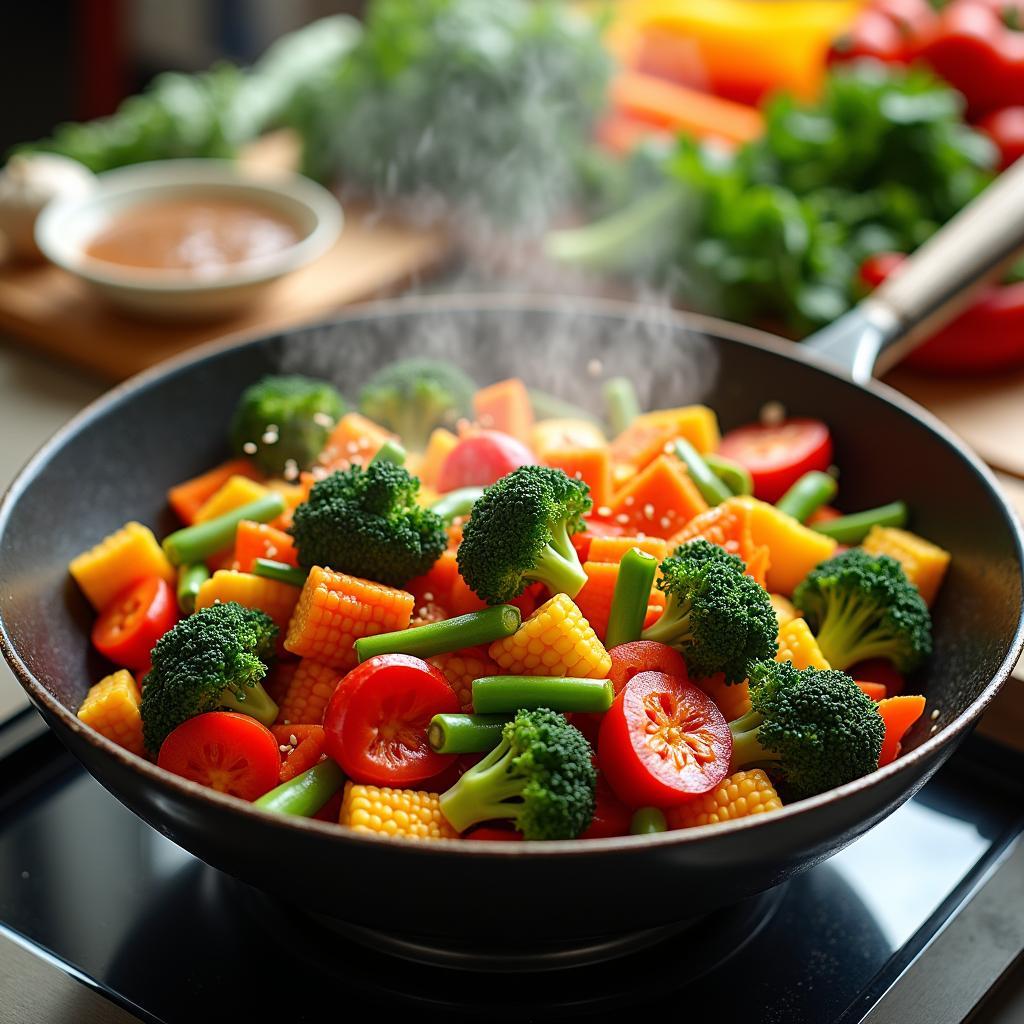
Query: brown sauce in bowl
{"points": [[198, 236]]}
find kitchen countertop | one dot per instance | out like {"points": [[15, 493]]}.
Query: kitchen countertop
{"points": [[36, 397]]}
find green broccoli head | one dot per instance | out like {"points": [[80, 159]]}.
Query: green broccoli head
{"points": [[213, 659], [863, 606], [366, 522], [817, 728], [540, 777], [414, 396], [281, 421], [715, 615], [519, 533]]}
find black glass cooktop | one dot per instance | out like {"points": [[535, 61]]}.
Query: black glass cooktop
{"points": [[89, 891]]}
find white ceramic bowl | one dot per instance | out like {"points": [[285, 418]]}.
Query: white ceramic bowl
{"points": [[66, 226]]}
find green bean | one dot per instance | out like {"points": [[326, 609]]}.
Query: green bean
{"points": [[280, 571], [736, 477], [852, 529], [465, 734], [457, 503], [631, 598], [648, 820], [304, 795], [713, 490], [807, 495], [195, 543], [494, 694], [390, 451], [469, 630], [190, 579], [621, 403]]}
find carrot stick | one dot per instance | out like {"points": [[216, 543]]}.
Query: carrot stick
{"points": [[682, 109]]}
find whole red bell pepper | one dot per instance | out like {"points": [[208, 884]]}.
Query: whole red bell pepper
{"points": [[978, 47], [986, 337]]}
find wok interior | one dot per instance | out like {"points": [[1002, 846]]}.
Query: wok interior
{"points": [[118, 464]]}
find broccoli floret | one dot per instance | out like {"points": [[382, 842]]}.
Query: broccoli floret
{"points": [[283, 420], [366, 522], [717, 617], [519, 531], [213, 659], [817, 728], [414, 396], [540, 777], [863, 606]]}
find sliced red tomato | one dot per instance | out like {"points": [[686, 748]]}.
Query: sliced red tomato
{"points": [[611, 816], [777, 456], [132, 623], [376, 721], [227, 751], [644, 656], [663, 742], [481, 458]]}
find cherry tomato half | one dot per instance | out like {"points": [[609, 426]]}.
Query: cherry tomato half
{"points": [[376, 721], [132, 623], [663, 742], [873, 34], [481, 458], [227, 751], [777, 456], [644, 656]]}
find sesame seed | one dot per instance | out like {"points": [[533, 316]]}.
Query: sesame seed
{"points": [[291, 469], [622, 518], [772, 414], [284, 748], [649, 510], [321, 419], [250, 448], [595, 367], [640, 535], [629, 501], [935, 727], [604, 511], [428, 596], [269, 436], [664, 521], [935, 714], [293, 740]]}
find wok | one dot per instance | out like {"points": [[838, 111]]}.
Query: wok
{"points": [[116, 460]]}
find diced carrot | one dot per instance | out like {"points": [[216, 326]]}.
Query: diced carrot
{"points": [[306, 743], [188, 497], [679, 108], [729, 526], [464, 600], [259, 540], [595, 599], [611, 549], [440, 444], [558, 435], [876, 691], [353, 442], [591, 465], [899, 714], [435, 586], [658, 500], [505, 406]]}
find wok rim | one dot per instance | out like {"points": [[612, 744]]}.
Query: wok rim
{"points": [[526, 302]]}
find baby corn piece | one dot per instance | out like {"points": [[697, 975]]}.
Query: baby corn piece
{"points": [[797, 644], [309, 689], [409, 813], [111, 707], [739, 796], [335, 609], [556, 640], [125, 557], [460, 668], [277, 599], [924, 563], [238, 491]]}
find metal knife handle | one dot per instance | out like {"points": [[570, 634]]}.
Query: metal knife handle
{"points": [[930, 287]]}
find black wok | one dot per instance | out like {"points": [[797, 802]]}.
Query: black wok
{"points": [[116, 460]]}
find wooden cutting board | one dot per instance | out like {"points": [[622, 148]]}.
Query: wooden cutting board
{"points": [[54, 313]]}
